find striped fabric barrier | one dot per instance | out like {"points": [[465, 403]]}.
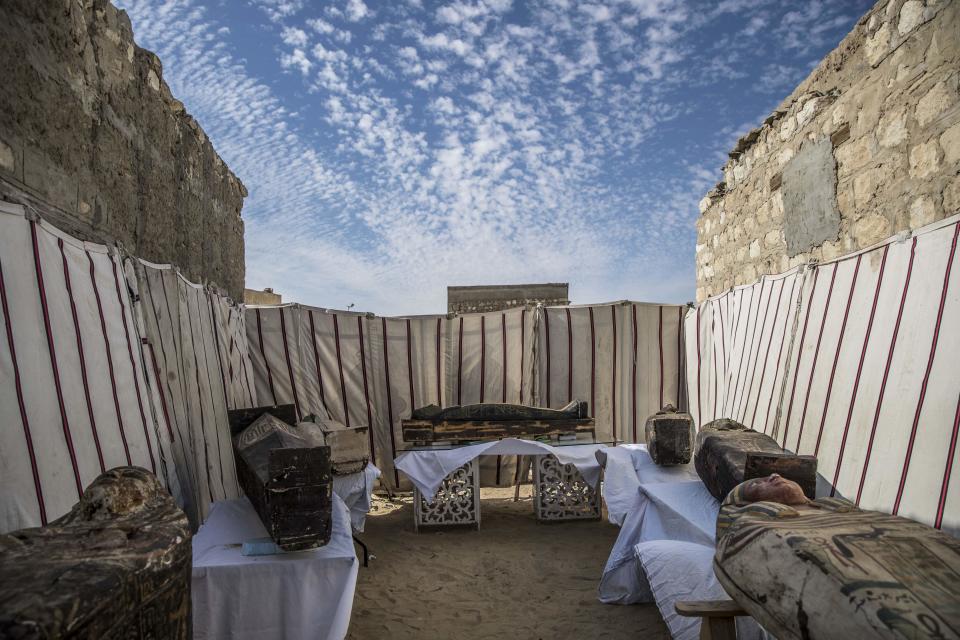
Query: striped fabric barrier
{"points": [[851, 360], [369, 370], [74, 390], [195, 344], [107, 362]]}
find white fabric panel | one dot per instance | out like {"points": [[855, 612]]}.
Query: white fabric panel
{"points": [[304, 594], [623, 358], [855, 364], [188, 331], [72, 383], [355, 490]]}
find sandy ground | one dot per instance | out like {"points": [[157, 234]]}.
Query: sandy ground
{"points": [[514, 579]]}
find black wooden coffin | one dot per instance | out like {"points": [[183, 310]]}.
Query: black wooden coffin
{"points": [[669, 435], [287, 480], [727, 453], [116, 566], [493, 421]]}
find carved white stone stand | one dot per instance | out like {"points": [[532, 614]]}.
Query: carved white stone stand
{"points": [[560, 492], [457, 501]]}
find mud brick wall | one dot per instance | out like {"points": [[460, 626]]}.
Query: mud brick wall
{"points": [[866, 147], [91, 138]]}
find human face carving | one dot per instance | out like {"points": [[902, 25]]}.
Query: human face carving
{"points": [[774, 488]]}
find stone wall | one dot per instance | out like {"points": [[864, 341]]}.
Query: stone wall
{"points": [[267, 296], [866, 147], [483, 298], [92, 139]]}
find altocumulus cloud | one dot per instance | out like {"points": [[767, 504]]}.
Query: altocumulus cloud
{"points": [[393, 148]]}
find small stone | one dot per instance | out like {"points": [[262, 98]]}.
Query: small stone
{"points": [[877, 45], [700, 247], [893, 128], [923, 211], [788, 128], [773, 238], [950, 142], [7, 162], [935, 102], [755, 249], [153, 80], [705, 204], [807, 112], [925, 159], [854, 154], [951, 196], [871, 229], [864, 186], [911, 14]]}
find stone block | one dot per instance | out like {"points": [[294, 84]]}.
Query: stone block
{"points": [[951, 196], [937, 100], [871, 229], [911, 15], [7, 160], [950, 143], [877, 45], [892, 129], [925, 159], [854, 154], [923, 211], [864, 186]]}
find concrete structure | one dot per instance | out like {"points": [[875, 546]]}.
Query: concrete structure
{"points": [[92, 139], [497, 297], [866, 147], [267, 296]]}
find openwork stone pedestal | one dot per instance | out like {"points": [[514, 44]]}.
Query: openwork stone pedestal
{"points": [[560, 492], [457, 501]]}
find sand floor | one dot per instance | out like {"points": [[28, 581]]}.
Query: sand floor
{"points": [[514, 579]]}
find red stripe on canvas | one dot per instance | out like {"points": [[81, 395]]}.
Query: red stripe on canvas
{"points": [[593, 366], [133, 367], [460, 364], [766, 352], [366, 390], [263, 352], [109, 352], [64, 422], [660, 347], [343, 382], [783, 340], [699, 410], [386, 371], [523, 330], [286, 357], [483, 355], [316, 358], [569, 356], [410, 366], [856, 380], [216, 343], [546, 333], [836, 356], [951, 452], [816, 355], [886, 369], [163, 397], [742, 411], [633, 376], [503, 341], [796, 370], [80, 355], [24, 419], [926, 375], [439, 388], [731, 394]]}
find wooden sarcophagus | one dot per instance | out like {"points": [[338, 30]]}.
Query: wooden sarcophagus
{"points": [[829, 570], [118, 565], [349, 446], [494, 421], [287, 480], [727, 453], [670, 435]]}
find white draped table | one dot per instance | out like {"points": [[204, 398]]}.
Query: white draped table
{"points": [[304, 594], [446, 481]]}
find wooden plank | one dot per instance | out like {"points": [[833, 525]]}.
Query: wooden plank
{"points": [[709, 609], [459, 430], [722, 451], [118, 565]]}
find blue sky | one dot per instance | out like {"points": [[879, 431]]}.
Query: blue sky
{"points": [[393, 148]]}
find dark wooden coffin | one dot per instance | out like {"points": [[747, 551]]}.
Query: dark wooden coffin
{"points": [[727, 453], [492, 421], [831, 570], [670, 435], [287, 480], [117, 566]]}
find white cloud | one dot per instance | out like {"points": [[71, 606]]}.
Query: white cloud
{"points": [[356, 10]]}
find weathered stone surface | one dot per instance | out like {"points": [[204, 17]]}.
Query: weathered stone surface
{"points": [[923, 211], [102, 149], [117, 566], [950, 143], [911, 14], [809, 197], [935, 102], [349, 446], [893, 128], [925, 159]]}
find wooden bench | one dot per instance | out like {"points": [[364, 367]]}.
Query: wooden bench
{"points": [[719, 617]]}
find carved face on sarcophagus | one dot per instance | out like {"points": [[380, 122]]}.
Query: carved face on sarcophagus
{"points": [[287, 480]]}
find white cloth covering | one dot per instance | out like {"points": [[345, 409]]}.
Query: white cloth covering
{"points": [[428, 467], [306, 594], [626, 467], [355, 491]]}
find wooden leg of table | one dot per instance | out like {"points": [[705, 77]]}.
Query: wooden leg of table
{"points": [[519, 478], [718, 629], [717, 617]]}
